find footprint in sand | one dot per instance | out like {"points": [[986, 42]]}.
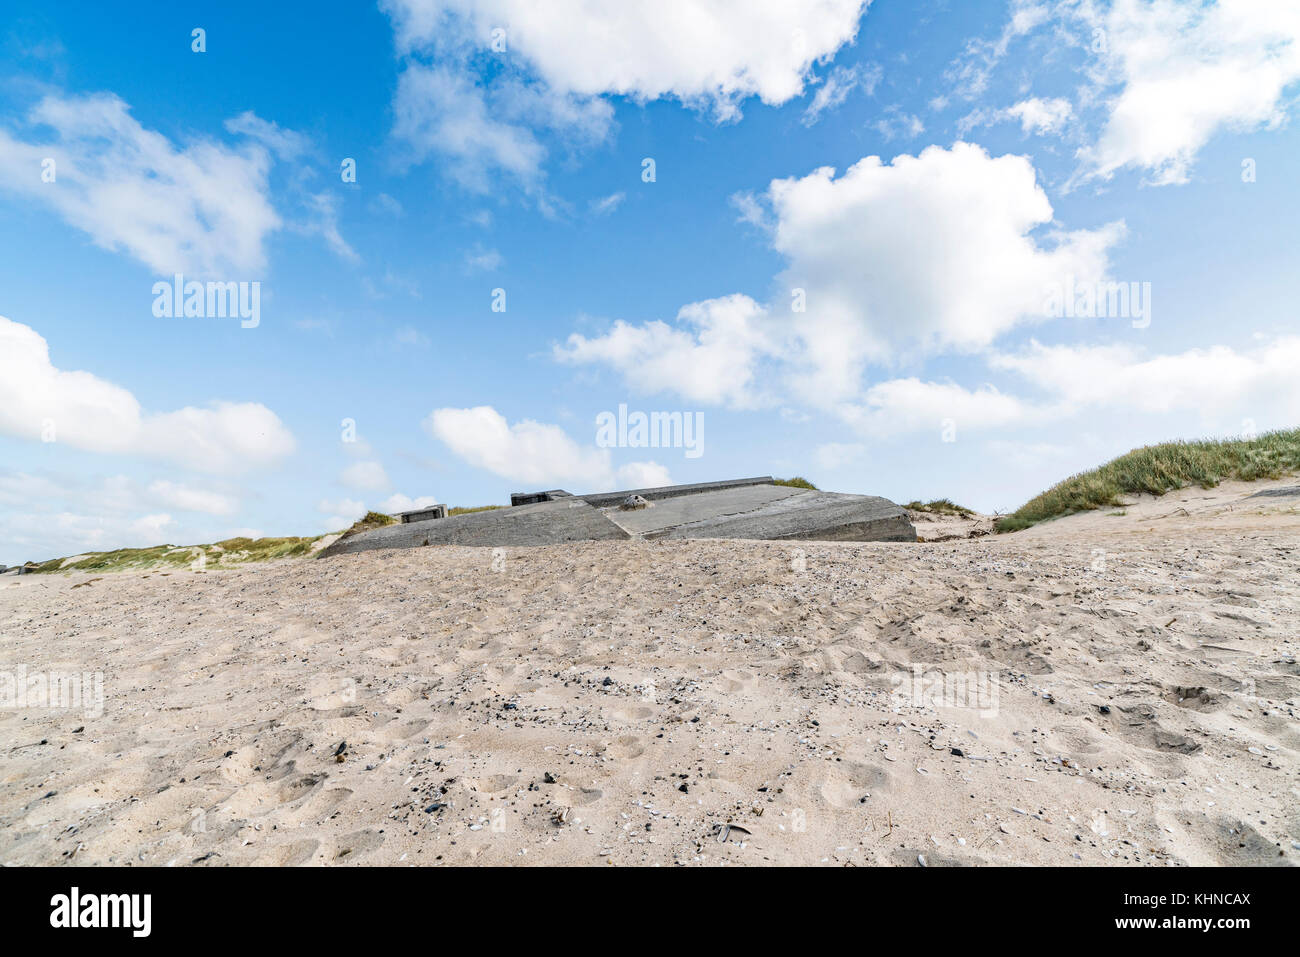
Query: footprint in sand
{"points": [[733, 680], [576, 797], [353, 846], [288, 855], [849, 782], [492, 783], [624, 748]]}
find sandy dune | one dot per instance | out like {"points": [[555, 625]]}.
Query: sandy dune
{"points": [[1106, 689]]}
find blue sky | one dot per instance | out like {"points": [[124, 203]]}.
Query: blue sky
{"points": [[921, 174]]}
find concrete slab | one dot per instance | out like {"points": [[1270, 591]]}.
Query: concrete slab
{"points": [[543, 523], [669, 512], [604, 499], [806, 516]]}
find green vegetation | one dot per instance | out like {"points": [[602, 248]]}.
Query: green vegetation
{"points": [[458, 510], [1157, 469], [797, 482], [370, 520], [233, 551], [940, 506]]}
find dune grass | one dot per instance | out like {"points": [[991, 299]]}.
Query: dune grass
{"points": [[462, 510], [797, 482], [940, 506], [232, 551], [1157, 469], [368, 521]]}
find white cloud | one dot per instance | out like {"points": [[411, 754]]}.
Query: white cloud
{"points": [[909, 405], [398, 502], [322, 219], [1259, 383], [895, 124], [1041, 116], [836, 87], [90, 413], [710, 358], [202, 209], [1187, 70], [702, 52], [607, 204], [643, 475], [931, 252], [971, 72], [365, 477], [1088, 380], [526, 451], [480, 259], [482, 131], [1034, 115], [285, 143], [535, 453], [561, 59]]}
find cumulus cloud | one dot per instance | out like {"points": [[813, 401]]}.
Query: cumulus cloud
{"points": [[202, 209], [910, 405], [714, 52], [930, 253], [1215, 388], [1216, 381], [1186, 70], [561, 60], [535, 453], [38, 400], [710, 356], [527, 451]]}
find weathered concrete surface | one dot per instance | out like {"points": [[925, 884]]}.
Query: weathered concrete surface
{"points": [[742, 508], [545, 523], [805, 515], [670, 512], [603, 499]]}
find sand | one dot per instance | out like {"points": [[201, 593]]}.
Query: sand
{"points": [[1107, 689]]}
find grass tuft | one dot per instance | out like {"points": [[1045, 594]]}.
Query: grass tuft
{"points": [[797, 482], [940, 506], [460, 510], [368, 521], [1157, 469]]}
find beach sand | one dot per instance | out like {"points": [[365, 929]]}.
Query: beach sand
{"points": [[1105, 689]]}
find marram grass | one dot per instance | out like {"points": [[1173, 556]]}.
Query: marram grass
{"points": [[1157, 469]]}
